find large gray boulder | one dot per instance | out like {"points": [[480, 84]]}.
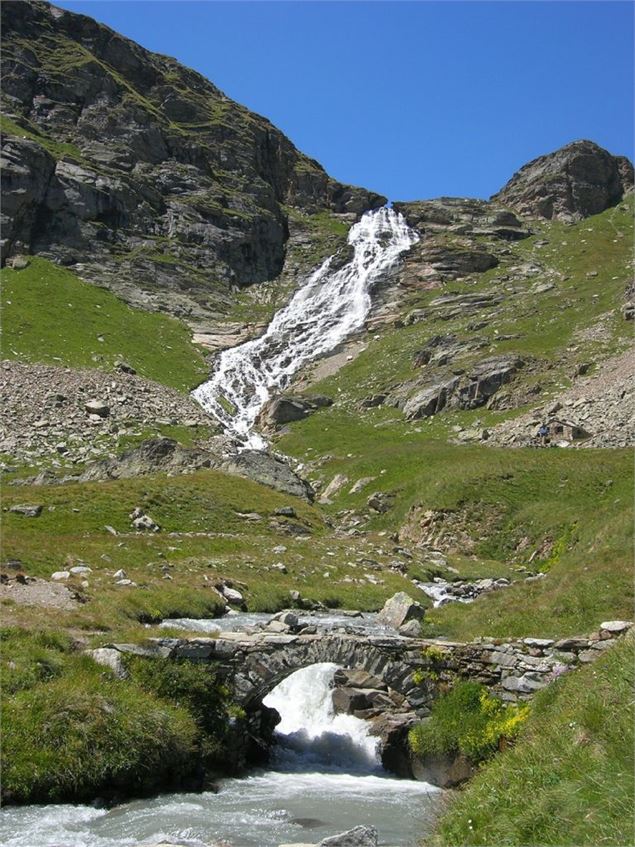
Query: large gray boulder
{"points": [[444, 770], [270, 471], [399, 609], [282, 410]]}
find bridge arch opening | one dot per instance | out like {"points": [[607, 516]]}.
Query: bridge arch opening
{"points": [[311, 735]]}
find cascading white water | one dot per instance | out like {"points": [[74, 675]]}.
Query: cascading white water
{"points": [[327, 309], [310, 734]]}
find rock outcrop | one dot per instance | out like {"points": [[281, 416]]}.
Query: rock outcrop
{"points": [[138, 172], [282, 410], [165, 455], [576, 181], [469, 391]]}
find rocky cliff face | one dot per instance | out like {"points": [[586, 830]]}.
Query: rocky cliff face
{"points": [[576, 181], [139, 173]]}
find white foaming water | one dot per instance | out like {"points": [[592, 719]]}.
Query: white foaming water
{"points": [[329, 307], [311, 735]]}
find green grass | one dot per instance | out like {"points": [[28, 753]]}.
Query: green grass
{"points": [[509, 502], [57, 149], [545, 327], [569, 779], [468, 721], [72, 731], [205, 539], [49, 315]]}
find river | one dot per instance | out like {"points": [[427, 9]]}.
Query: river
{"points": [[325, 777]]}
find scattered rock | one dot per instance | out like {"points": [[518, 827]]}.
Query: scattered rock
{"points": [[81, 569], [28, 510], [400, 609]]}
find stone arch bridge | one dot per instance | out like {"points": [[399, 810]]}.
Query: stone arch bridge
{"points": [[413, 669]]}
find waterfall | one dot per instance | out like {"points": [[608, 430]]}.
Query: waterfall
{"points": [[331, 305], [310, 735]]}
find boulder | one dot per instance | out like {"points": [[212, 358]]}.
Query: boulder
{"points": [[27, 509], [359, 836], [380, 502], [430, 400], [282, 410], [232, 595], [399, 609], [444, 771], [392, 730], [109, 658], [143, 523], [98, 408], [616, 627], [411, 629], [268, 470], [124, 367]]}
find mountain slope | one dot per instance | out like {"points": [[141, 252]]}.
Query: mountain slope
{"points": [[141, 174]]}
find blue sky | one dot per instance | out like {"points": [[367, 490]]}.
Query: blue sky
{"points": [[411, 99]]}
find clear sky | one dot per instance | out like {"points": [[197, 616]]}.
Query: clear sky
{"points": [[411, 99]]}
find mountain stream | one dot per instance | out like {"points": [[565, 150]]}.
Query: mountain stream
{"points": [[325, 776]]}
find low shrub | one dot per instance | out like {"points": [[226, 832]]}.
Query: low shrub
{"points": [[467, 720]]}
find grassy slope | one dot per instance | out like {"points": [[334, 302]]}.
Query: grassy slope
{"points": [[579, 500], [73, 731], [50, 315], [569, 779], [203, 540], [61, 712], [544, 325]]}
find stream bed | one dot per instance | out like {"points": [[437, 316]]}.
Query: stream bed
{"points": [[325, 777]]}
